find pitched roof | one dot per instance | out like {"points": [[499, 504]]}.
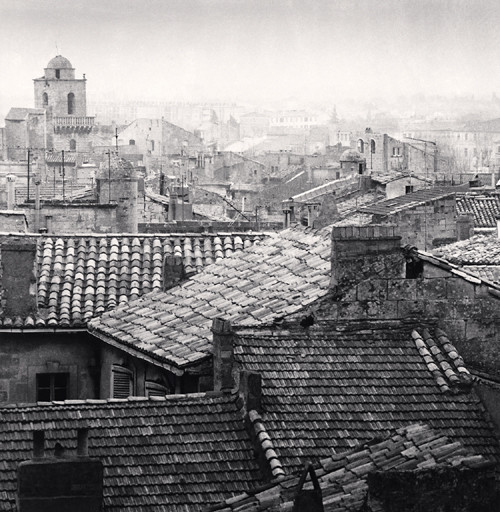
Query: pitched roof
{"points": [[477, 250], [389, 177], [335, 385], [20, 113], [327, 188], [275, 277], [396, 204], [483, 208], [79, 277], [343, 477], [175, 454]]}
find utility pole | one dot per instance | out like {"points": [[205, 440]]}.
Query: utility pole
{"points": [[28, 191], [63, 173], [109, 176], [116, 140]]}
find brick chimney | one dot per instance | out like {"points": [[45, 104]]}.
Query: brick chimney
{"points": [[223, 356], [18, 277], [363, 252], [62, 482]]}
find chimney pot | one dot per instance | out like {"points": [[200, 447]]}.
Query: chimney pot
{"points": [[38, 444], [82, 449]]}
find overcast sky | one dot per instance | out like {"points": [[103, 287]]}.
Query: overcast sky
{"points": [[253, 49]]}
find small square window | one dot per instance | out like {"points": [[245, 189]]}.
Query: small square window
{"points": [[52, 387]]}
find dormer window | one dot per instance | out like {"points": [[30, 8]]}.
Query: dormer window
{"points": [[58, 73]]}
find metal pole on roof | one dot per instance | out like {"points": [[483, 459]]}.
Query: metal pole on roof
{"points": [[63, 173], [109, 176], [28, 191]]}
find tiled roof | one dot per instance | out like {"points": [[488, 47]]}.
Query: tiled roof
{"points": [[318, 192], [20, 113], [57, 158], [83, 276], [477, 250], [176, 454], [488, 272], [271, 279], [343, 477], [483, 208], [333, 386], [396, 204], [388, 177]]}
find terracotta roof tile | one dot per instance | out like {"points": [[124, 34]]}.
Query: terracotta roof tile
{"points": [[333, 386], [284, 272], [483, 208], [182, 452], [343, 477], [80, 277]]}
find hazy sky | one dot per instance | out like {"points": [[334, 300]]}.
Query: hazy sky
{"points": [[253, 49]]}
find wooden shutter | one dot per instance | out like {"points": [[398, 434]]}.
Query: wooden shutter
{"points": [[122, 381]]}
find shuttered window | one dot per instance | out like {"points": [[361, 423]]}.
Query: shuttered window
{"points": [[122, 382], [155, 389]]}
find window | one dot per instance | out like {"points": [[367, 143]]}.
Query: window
{"points": [[71, 103], [131, 142], [360, 168], [51, 386], [372, 146], [152, 145], [72, 145], [414, 269], [408, 189], [361, 146], [122, 380], [156, 389], [58, 73], [45, 99], [466, 152]]}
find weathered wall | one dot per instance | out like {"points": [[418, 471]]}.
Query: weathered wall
{"points": [[441, 489], [24, 355], [427, 225], [369, 282], [58, 217], [57, 91]]}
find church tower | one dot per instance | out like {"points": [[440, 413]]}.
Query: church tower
{"points": [[59, 91]]}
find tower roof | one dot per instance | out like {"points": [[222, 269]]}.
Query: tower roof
{"points": [[59, 62]]}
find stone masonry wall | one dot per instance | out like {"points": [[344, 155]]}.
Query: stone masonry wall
{"points": [[74, 218], [374, 286], [427, 225]]}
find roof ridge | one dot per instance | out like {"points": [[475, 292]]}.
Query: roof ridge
{"points": [[266, 445], [443, 361], [181, 397]]}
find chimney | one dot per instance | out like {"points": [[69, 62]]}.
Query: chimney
{"points": [[61, 482], [38, 444], [11, 191], [251, 390], [363, 252], [328, 212], [18, 279], [465, 226], [83, 442], [223, 355], [173, 272]]}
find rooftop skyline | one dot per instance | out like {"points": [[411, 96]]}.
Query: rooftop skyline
{"points": [[234, 50]]}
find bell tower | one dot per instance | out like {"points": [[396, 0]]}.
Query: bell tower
{"points": [[59, 91]]}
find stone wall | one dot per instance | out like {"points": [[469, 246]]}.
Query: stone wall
{"points": [[373, 279], [426, 225], [58, 217], [57, 91], [441, 489], [24, 355]]}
